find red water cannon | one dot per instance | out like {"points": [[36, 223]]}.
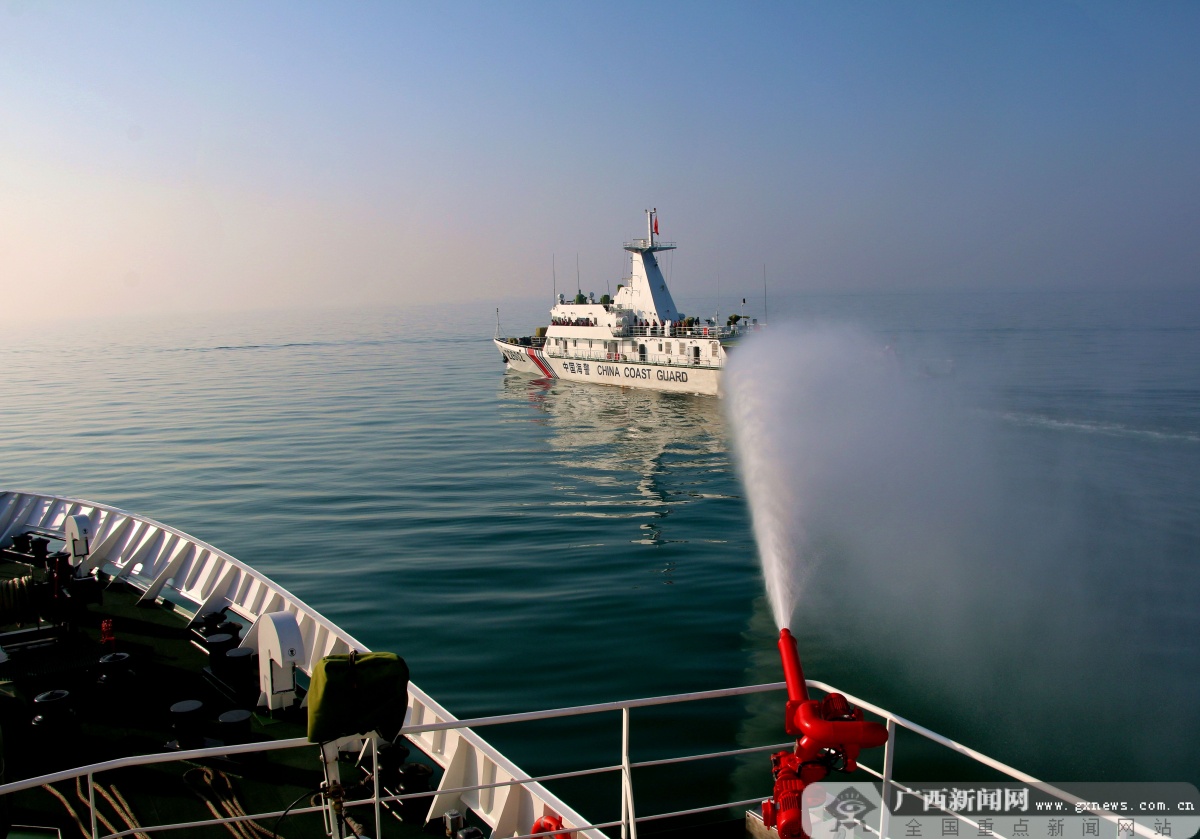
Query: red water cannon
{"points": [[830, 733]]}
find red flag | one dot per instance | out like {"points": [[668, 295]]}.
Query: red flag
{"points": [[656, 225]]}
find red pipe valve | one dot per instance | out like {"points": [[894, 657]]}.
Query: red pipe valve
{"points": [[831, 733]]}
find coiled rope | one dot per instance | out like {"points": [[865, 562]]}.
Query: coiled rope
{"points": [[214, 788], [115, 800], [75, 816], [17, 601]]}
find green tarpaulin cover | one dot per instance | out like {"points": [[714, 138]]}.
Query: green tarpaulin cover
{"points": [[354, 694]]}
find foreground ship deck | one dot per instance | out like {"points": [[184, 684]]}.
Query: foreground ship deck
{"points": [[118, 719], [130, 646], [122, 707]]}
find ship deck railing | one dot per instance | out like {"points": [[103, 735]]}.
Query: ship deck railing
{"points": [[700, 331], [645, 244], [675, 331], [479, 783], [656, 359], [704, 333]]}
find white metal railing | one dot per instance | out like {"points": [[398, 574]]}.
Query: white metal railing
{"points": [[675, 331], [679, 359], [162, 561], [888, 782], [421, 732], [455, 793]]}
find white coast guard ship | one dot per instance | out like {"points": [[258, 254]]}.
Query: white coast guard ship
{"points": [[636, 339]]}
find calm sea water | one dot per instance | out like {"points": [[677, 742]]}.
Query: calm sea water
{"points": [[526, 544]]}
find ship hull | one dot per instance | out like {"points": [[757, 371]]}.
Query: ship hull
{"points": [[674, 378]]}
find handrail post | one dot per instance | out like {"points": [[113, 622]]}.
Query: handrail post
{"points": [[375, 773], [628, 819], [889, 756], [92, 805], [624, 771]]}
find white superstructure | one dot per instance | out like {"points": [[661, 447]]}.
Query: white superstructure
{"points": [[638, 338]]}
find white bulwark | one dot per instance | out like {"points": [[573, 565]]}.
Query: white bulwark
{"points": [[636, 339]]}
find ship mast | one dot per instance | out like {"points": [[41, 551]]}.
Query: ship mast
{"points": [[647, 286]]}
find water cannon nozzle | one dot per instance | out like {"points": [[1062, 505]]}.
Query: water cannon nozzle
{"points": [[793, 672]]}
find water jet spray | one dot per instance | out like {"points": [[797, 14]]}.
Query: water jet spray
{"points": [[830, 733]]}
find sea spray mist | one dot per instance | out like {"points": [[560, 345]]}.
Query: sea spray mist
{"points": [[835, 441]]}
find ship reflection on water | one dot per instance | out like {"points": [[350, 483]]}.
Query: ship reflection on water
{"points": [[614, 447]]}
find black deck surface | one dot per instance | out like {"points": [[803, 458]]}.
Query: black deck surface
{"points": [[131, 715]]}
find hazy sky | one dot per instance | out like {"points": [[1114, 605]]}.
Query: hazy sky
{"points": [[209, 155]]}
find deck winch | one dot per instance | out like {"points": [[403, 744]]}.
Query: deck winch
{"points": [[831, 732], [48, 583]]}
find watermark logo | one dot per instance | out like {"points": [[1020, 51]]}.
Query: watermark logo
{"points": [[849, 805]]}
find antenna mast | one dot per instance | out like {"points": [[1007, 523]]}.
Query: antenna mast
{"points": [[764, 294], [717, 303]]}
